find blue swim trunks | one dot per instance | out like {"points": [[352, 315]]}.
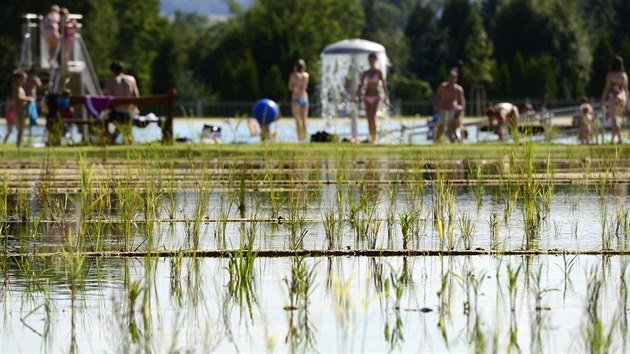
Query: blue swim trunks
{"points": [[32, 113]]}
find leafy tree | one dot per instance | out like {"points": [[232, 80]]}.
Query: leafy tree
{"points": [[410, 88], [424, 38], [535, 28], [621, 26], [478, 62], [7, 65], [540, 79], [274, 85], [624, 51], [167, 66], [456, 23], [602, 56], [100, 30], [598, 15], [276, 33], [501, 87], [519, 76], [488, 10], [246, 79], [140, 32]]}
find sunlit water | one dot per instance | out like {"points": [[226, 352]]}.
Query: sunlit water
{"points": [[457, 304], [237, 131], [351, 304], [577, 219], [535, 303]]}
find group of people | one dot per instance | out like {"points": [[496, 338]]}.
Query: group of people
{"points": [[449, 98], [59, 26], [22, 103], [372, 79], [450, 104]]}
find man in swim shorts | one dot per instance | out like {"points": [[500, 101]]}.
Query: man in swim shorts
{"points": [[121, 85], [449, 98]]}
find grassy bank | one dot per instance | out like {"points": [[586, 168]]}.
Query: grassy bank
{"points": [[284, 151]]}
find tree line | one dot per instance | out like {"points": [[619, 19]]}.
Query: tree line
{"points": [[513, 48]]}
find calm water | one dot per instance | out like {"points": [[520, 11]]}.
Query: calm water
{"points": [[456, 304], [576, 218], [68, 302], [338, 304]]}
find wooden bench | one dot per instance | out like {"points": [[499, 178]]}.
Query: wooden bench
{"points": [[168, 100]]}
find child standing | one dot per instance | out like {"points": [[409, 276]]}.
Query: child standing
{"points": [[586, 122]]}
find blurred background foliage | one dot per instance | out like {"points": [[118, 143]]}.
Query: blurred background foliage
{"points": [[514, 48]]}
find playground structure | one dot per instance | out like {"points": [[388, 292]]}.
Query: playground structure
{"points": [[72, 69], [76, 73]]}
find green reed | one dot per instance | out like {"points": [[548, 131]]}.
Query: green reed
{"points": [[407, 220], [331, 222], [301, 332], [241, 284], [444, 210], [127, 206], [466, 229], [513, 285], [597, 334], [478, 186]]}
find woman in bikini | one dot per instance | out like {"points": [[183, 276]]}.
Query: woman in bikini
{"points": [[615, 95], [372, 77], [298, 83]]}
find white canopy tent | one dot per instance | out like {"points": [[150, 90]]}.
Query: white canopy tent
{"points": [[342, 65]]}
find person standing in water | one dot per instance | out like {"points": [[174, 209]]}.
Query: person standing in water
{"points": [[615, 96], [449, 100], [372, 77], [298, 85]]}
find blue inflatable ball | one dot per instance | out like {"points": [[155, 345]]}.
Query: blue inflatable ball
{"points": [[266, 111]]}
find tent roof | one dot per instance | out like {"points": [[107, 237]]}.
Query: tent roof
{"points": [[353, 46]]}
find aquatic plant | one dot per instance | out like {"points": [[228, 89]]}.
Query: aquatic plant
{"points": [[512, 285], [300, 335], [597, 334], [331, 225], [466, 229], [407, 220]]}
